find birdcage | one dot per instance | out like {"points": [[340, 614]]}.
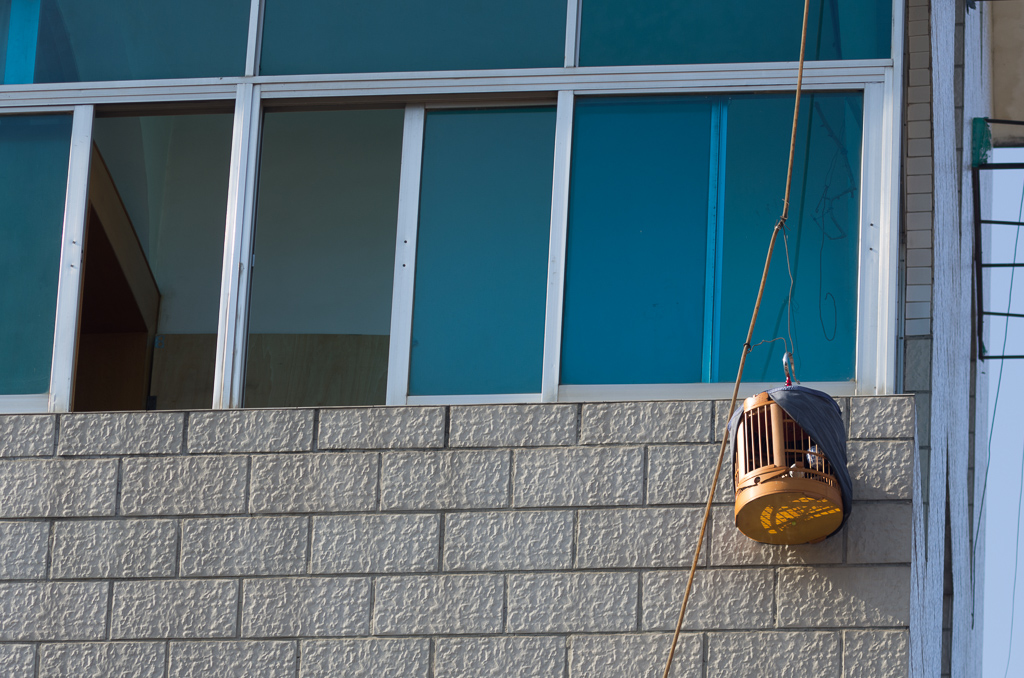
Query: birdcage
{"points": [[786, 489]]}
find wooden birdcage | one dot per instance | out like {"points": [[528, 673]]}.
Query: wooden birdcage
{"points": [[786, 490]]}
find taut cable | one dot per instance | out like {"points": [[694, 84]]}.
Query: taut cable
{"points": [[781, 224]]}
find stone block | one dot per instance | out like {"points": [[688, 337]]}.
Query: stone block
{"points": [[102, 660], [843, 596], [917, 366], [920, 205], [879, 533], [366, 658], [508, 540], [796, 654], [27, 435], [638, 655], [313, 482], [44, 488], [876, 654], [310, 606], [687, 421], [918, 328], [225, 547], [921, 130], [881, 469], [183, 485], [919, 276], [121, 433], [590, 476], [920, 94], [572, 602], [918, 310], [220, 431], [23, 549], [53, 610], [681, 474], [114, 549], [920, 240], [438, 604], [882, 417], [17, 660], [179, 608], [730, 547], [920, 202], [920, 221], [231, 658], [381, 428], [459, 479], [653, 537], [512, 425], [720, 599], [375, 543], [498, 657]]}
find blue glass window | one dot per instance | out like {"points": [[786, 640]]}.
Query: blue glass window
{"points": [[625, 32], [672, 203], [34, 153], [325, 36], [94, 40], [481, 261]]}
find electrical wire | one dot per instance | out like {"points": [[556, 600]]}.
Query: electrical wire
{"points": [[992, 423], [779, 226]]}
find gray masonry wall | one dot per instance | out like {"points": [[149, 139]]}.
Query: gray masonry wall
{"points": [[507, 540]]}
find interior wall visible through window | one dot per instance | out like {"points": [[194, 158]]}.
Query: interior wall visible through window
{"points": [[324, 256], [153, 256]]}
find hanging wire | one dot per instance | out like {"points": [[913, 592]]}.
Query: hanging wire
{"points": [[779, 226], [992, 423]]}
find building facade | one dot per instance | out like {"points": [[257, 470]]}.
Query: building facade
{"points": [[393, 337]]}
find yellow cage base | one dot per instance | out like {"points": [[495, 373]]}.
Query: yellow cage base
{"points": [[789, 511]]}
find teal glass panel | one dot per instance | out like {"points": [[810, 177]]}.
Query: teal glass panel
{"points": [[481, 259], [325, 36], [34, 152], [324, 258], [638, 225], [95, 40], [823, 232], [625, 32]]}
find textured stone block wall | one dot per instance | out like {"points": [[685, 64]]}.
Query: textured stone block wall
{"points": [[442, 542]]}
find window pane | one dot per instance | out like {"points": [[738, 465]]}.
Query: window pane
{"points": [[823, 234], [638, 223], [481, 260], [625, 32], [320, 309], [89, 40], [34, 152], [324, 36], [154, 248]]}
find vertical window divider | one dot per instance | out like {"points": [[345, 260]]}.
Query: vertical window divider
{"points": [[572, 33], [238, 236], [556, 248], [405, 255], [715, 239], [69, 285], [871, 308], [255, 40]]}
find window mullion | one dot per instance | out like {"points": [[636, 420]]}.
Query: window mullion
{"points": [[572, 33], [556, 249], [235, 276], [252, 48], [405, 255], [715, 235], [62, 367]]}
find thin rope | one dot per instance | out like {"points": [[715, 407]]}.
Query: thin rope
{"points": [[780, 225]]}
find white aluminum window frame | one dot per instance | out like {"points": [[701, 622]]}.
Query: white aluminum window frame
{"points": [[880, 80]]}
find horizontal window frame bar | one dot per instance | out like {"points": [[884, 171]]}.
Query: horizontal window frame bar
{"points": [[713, 77], [576, 393], [1017, 265], [1002, 223], [1003, 315]]}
